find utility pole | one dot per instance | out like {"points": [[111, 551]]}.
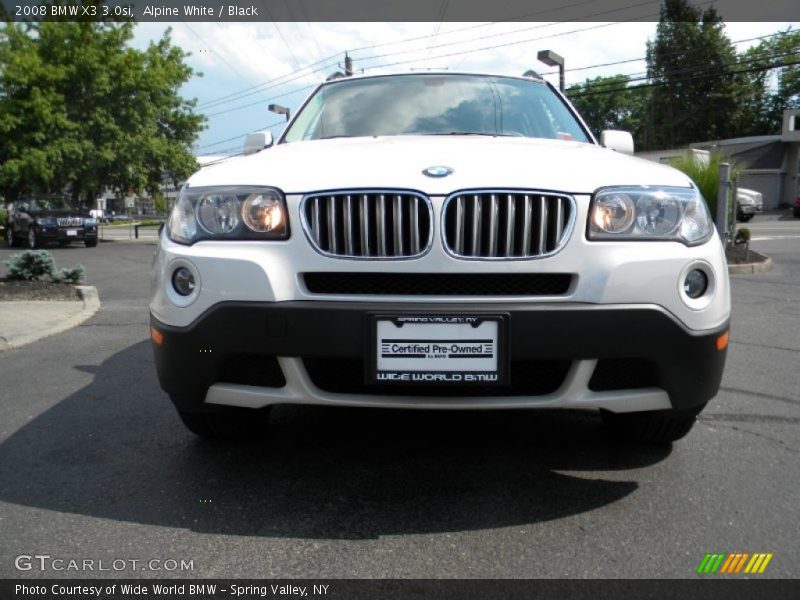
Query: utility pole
{"points": [[348, 65], [723, 189]]}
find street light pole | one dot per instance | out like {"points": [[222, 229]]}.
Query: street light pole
{"points": [[551, 59]]}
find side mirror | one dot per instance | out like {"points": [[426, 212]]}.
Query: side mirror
{"points": [[621, 141], [256, 142]]}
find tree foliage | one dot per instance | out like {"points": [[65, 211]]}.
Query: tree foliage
{"points": [[610, 103], [697, 87], [81, 109], [764, 109], [692, 62]]}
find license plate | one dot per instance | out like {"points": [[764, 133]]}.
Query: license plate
{"points": [[72, 232], [437, 349]]}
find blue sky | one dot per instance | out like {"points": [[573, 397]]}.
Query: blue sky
{"points": [[247, 66]]}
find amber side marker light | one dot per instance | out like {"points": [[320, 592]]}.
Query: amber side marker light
{"points": [[722, 341], [158, 337]]}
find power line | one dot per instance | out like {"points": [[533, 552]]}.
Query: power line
{"points": [[236, 137], [694, 68], [219, 54], [298, 76], [289, 93], [631, 60], [307, 24], [688, 79], [476, 26], [523, 29], [241, 94], [276, 82], [283, 39]]}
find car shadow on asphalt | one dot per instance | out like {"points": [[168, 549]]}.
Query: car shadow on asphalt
{"points": [[116, 450]]}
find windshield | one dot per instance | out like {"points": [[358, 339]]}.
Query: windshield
{"points": [[435, 105], [47, 204]]}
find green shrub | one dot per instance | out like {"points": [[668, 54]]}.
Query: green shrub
{"points": [[704, 171], [35, 265], [76, 275], [31, 265], [742, 236]]}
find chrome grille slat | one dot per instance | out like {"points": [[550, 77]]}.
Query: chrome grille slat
{"points": [[476, 225], [317, 228], [526, 227], [397, 216], [348, 225], [510, 208], [559, 220], [542, 232], [459, 228], [506, 224], [376, 224], [381, 225], [69, 221], [364, 222], [414, 232], [493, 208], [332, 224]]}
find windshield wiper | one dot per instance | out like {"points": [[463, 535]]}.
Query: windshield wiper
{"points": [[486, 133]]}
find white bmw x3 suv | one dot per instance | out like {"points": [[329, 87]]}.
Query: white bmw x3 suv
{"points": [[440, 241]]}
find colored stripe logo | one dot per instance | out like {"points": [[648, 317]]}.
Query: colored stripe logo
{"points": [[733, 563]]}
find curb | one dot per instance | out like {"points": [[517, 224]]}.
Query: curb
{"points": [[751, 268], [91, 304]]}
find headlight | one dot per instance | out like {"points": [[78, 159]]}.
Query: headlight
{"points": [[643, 213], [47, 222], [228, 213], [89, 222]]}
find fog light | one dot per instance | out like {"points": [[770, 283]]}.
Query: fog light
{"points": [[696, 283], [183, 281]]}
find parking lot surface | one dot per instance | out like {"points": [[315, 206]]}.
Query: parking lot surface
{"points": [[94, 464]]}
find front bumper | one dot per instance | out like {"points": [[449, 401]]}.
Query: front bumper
{"points": [[61, 234], [748, 209], [572, 355]]}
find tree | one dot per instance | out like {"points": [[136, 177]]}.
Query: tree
{"points": [[610, 103], [764, 108], [692, 66], [81, 109]]}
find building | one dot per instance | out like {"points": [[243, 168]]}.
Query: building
{"points": [[770, 163]]}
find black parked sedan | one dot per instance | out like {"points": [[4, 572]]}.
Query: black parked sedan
{"points": [[40, 221]]}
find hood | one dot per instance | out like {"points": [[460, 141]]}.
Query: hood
{"points": [[60, 213], [476, 161]]}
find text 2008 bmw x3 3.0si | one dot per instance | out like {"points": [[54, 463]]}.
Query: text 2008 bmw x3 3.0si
{"points": [[440, 241]]}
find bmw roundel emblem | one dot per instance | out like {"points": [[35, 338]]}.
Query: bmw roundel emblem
{"points": [[437, 171]]}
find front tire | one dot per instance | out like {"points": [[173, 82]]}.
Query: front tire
{"points": [[228, 424], [650, 427], [90, 243], [33, 240]]}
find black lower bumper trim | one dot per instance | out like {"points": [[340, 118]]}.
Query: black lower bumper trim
{"points": [[686, 364]]}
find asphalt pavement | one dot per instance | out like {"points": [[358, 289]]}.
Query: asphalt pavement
{"points": [[95, 465]]}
